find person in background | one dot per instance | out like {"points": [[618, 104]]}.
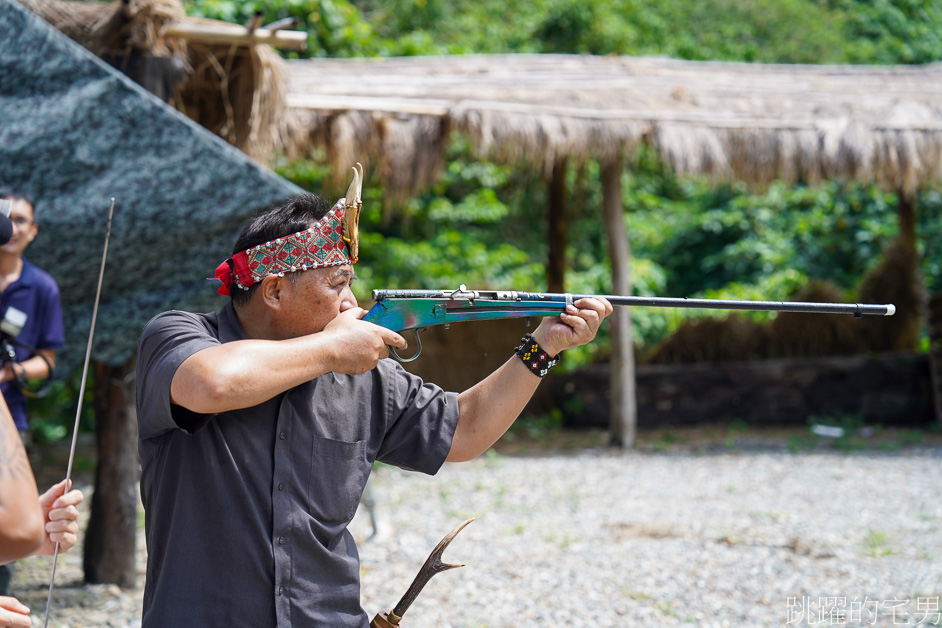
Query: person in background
{"points": [[31, 326], [30, 311], [30, 524]]}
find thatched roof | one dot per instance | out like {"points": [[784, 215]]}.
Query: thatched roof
{"points": [[223, 79], [750, 122], [75, 132]]}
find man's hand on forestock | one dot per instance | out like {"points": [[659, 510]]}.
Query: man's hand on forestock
{"points": [[357, 345], [574, 328]]}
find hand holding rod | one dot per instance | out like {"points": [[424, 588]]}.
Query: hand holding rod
{"points": [[78, 411]]}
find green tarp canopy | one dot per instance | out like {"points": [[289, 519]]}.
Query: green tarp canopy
{"points": [[74, 133]]}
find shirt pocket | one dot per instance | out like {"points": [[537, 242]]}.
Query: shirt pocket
{"points": [[339, 470]]}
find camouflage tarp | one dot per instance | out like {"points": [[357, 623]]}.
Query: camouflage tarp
{"points": [[75, 132]]}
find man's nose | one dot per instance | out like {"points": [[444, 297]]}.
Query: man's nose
{"points": [[349, 301]]}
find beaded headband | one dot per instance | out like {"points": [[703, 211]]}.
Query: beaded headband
{"points": [[331, 241]]}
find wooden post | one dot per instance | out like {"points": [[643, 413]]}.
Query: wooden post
{"points": [[623, 409], [110, 540], [556, 264], [935, 353]]}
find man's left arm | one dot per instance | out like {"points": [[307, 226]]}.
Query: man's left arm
{"points": [[489, 408]]}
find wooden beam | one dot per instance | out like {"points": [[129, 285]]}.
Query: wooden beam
{"points": [[557, 228], [111, 535], [935, 353], [393, 105], [235, 34], [623, 408]]}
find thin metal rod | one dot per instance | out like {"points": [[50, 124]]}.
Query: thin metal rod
{"points": [[78, 411]]}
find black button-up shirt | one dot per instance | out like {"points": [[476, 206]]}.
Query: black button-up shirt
{"points": [[247, 511]]}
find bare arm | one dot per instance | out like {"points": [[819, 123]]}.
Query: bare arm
{"points": [[21, 518], [32, 368], [247, 372], [491, 406]]}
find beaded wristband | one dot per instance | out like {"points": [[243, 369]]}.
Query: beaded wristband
{"points": [[534, 357]]}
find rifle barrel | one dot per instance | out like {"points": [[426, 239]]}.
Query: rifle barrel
{"points": [[857, 309]]}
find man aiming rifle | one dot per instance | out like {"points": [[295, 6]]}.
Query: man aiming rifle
{"points": [[260, 424]]}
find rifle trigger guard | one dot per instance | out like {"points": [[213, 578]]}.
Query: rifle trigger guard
{"points": [[418, 344]]}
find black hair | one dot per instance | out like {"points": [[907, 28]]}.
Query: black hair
{"points": [[16, 194], [296, 214]]}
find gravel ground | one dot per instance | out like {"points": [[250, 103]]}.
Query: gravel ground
{"points": [[598, 538]]}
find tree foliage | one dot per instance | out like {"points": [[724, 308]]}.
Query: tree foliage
{"points": [[771, 31]]}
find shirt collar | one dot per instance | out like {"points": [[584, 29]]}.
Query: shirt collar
{"points": [[27, 274], [230, 329]]}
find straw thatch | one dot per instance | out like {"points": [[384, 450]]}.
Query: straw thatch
{"points": [[749, 122], [731, 121], [75, 133], [235, 90], [789, 334], [894, 280]]}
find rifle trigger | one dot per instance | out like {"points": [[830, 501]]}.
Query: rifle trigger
{"points": [[418, 344]]}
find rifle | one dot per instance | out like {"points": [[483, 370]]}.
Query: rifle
{"points": [[402, 310]]}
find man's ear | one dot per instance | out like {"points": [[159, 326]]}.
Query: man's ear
{"points": [[271, 291]]}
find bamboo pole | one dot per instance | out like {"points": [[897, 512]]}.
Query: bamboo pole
{"points": [[235, 34], [623, 408]]}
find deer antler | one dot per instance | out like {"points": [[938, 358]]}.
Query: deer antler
{"points": [[352, 204], [432, 566]]}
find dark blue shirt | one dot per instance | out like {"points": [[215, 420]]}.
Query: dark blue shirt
{"points": [[36, 295]]}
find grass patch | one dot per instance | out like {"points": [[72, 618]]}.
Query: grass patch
{"points": [[877, 544]]}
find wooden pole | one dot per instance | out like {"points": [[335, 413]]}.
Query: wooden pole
{"points": [[235, 34], [110, 539], [556, 264], [935, 353], [623, 408]]}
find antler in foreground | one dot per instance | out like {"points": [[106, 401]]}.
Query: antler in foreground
{"points": [[431, 567]]}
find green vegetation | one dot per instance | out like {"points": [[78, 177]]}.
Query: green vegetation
{"points": [[877, 544], [771, 31]]}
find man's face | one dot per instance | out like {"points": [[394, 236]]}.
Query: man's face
{"points": [[315, 298], [24, 229]]}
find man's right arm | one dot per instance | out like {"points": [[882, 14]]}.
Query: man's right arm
{"points": [[245, 373]]}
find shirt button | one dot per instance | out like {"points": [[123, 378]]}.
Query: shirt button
{"points": [[282, 436], [281, 590], [281, 486], [281, 541]]}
